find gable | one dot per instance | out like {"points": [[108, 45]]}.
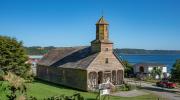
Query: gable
{"points": [[99, 63]]}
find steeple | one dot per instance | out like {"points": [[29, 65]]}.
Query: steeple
{"points": [[102, 32], [102, 21], [102, 35]]}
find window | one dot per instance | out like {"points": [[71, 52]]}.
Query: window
{"points": [[106, 49], [106, 28], [106, 60]]}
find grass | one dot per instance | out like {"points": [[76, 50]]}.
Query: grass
{"points": [[41, 90], [178, 85]]}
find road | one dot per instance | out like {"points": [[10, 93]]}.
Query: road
{"points": [[169, 94]]}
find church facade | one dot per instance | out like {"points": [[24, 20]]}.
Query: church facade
{"points": [[83, 67]]}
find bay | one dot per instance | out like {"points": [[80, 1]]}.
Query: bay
{"points": [[167, 59]]}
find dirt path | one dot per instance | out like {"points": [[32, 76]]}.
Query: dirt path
{"points": [[132, 93]]}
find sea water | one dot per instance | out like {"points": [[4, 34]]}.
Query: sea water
{"points": [[167, 59]]}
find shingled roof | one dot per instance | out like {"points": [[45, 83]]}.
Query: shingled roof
{"points": [[69, 57]]}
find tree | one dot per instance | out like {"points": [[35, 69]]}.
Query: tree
{"points": [[156, 71], [13, 57], [128, 68], [175, 72]]}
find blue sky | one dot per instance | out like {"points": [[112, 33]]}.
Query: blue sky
{"points": [[145, 24]]}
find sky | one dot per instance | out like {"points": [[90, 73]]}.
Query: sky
{"points": [[141, 24]]}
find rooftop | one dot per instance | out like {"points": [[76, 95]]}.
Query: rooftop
{"points": [[69, 57]]}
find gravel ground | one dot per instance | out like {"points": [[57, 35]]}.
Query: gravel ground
{"points": [[132, 93]]}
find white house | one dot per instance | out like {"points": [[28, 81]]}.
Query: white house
{"points": [[33, 60], [146, 69]]}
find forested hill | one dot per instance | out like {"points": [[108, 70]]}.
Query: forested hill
{"points": [[37, 50], [143, 51]]}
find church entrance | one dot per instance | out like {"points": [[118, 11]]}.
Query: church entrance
{"points": [[95, 78]]}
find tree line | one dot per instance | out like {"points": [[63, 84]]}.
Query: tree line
{"points": [[143, 51], [38, 50]]}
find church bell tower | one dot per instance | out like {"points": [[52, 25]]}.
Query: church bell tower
{"points": [[102, 42]]}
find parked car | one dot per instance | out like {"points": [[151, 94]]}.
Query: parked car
{"points": [[166, 84]]}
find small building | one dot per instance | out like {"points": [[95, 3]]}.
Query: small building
{"points": [[83, 67], [33, 60], [146, 69]]}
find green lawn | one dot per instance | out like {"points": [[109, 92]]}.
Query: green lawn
{"points": [[41, 89]]}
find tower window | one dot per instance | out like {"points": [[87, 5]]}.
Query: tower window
{"points": [[106, 28], [106, 49], [106, 60]]}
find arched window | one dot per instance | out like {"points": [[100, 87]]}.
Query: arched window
{"points": [[93, 79], [114, 77], [100, 77], [119, 77]]}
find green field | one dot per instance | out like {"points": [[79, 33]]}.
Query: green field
{"points": [[41, 90]]}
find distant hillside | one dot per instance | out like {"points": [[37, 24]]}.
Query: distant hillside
{"points": [[37, 50], [143, 51]]}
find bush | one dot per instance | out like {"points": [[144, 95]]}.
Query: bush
{"points": [[1, 74], [175, 72], [14, 87], [76, 96], [125, 87], [128, 69]]}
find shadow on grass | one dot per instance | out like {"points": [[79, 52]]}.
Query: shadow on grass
{"points": [[56, 85]]}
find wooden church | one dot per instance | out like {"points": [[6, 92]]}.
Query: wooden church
{"points": [[83, 67]]}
